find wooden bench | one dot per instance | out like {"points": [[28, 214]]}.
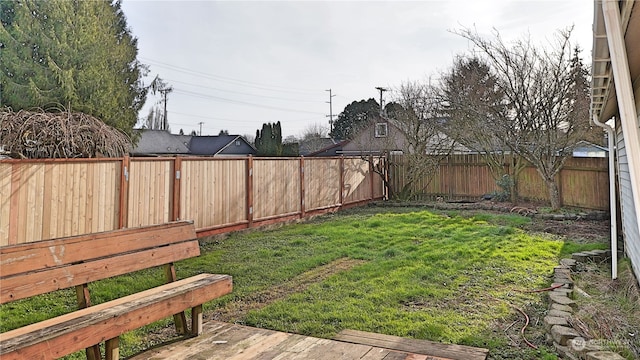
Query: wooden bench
{"points": [[40, 267]]}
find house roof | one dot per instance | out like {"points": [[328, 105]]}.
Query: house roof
{"points": [[158, 142], [313, 145], [214, 145], [588, 149], [331, 150], [603, 97]]}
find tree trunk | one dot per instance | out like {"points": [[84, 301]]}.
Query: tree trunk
{"points": [[554, 194], [513, 191]]}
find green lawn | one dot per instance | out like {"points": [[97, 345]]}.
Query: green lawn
{"points": [[442, 277]]}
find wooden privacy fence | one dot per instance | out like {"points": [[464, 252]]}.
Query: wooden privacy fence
{"points": [[584, 182], [47, 199]]}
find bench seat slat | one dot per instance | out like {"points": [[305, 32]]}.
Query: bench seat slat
{"points": [[27, 285], [22, 258], [75, 331]]}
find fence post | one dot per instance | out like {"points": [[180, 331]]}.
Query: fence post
{"points": [[124, 193], [341, 180], [371, 187], [386, 177], [16, 175], [451, 177], [250, 191], [302, 189], [177, 177]]}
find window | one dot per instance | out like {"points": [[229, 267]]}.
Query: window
{"points": [[238, 143], [381, 130]]}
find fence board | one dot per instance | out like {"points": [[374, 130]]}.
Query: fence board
{"points": [[149, 192], [322, 183], [213, 191], [276, 187], [46, 199], [5, 202], [378, 183], [583, 181], [357, 184]]}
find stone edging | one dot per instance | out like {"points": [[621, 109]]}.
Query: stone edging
{"points": [[489, 206], [567, 341]]}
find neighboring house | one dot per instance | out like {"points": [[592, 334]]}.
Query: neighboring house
{"points": [[221, 145], [314, 144], [331, 150], [163, 143], [185, 139], [384, 136], [378, 137], [585, 149], [158, 143], [616, 93]]}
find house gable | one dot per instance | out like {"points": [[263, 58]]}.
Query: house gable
{"points": [[378, 137], [221, 145]]}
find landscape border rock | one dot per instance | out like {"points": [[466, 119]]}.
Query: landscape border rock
{"points": [[567, 340]]}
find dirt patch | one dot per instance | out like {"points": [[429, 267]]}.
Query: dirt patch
{"points": [[238, 309], [580, 231]]}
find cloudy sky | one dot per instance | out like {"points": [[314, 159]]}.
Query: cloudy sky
{"points": [[235, 65]]}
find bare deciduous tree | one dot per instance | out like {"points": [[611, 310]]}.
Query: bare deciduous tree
{"points": [[547, 99], [155, 119], [415, 114], [478, 117], [313, 137]]}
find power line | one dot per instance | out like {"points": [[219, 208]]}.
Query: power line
{"points": [[242, 93], [218, 98], [228, 79], [206, 117]]}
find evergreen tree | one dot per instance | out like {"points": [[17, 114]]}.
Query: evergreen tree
{"points": [[269, 141], [354, 116], [70, 54]]}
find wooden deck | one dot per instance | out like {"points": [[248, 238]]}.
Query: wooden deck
{"points": [[228, 341]]}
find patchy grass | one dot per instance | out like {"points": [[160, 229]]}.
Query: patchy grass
{"points": [[439, 276], [611, 314]]}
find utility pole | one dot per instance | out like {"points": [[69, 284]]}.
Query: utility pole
{"points": [[164, 92], [200, 123], [330, 111], [381, 89]]}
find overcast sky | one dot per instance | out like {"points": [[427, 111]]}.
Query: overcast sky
{"points": [[235, 65]]}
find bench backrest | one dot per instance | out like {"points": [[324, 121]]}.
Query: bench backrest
{"points": [[40, 267]]}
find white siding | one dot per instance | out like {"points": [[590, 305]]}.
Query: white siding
{"points": [[629, 217]]}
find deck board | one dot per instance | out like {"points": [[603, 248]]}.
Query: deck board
{"points": [[220, 341], [433, 350]]}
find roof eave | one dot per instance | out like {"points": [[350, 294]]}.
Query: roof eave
{"points": [[603, 96]]}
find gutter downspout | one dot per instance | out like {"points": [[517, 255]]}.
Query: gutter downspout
{"points": [[624, 95], [612, 196]]}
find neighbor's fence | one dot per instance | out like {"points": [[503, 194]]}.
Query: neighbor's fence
{"points": [[46, 199], [584, 182]]}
